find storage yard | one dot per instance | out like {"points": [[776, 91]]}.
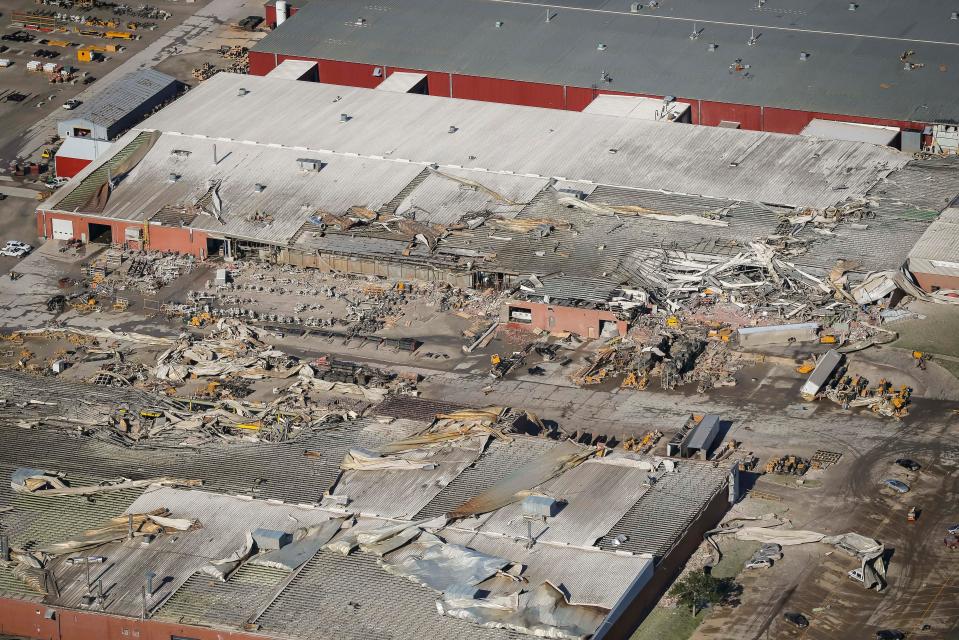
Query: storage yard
{"points": [[290, 359]]}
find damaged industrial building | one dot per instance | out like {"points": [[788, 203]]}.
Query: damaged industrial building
{"points": [[588, 219], [416, 520]]}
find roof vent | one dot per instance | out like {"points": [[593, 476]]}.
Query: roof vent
{"points": [[712, 46], [181, 153], [853, 6], [173, 177], [634, 7], [259, 187], [954, 16], [310, 164], [499, 24], [601, 47], [242, 91], [360, 22], [541, 506], [453, 129], [378, 72], [345, 117], [803, 55]]}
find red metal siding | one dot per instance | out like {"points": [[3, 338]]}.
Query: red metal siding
{"points": [[351, 74], [261, 63], [929, 280], [578, 98], [793, 121], [582, 322], [530, 94], [748, 116], [179, 239], [69, 167], [269, 13], [438, 82], [27, 619]]}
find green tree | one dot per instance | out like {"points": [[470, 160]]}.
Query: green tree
{"points": [[699, 589]]}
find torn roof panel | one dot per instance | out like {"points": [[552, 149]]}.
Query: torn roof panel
{"points": [[589, 577], [583, 519]]}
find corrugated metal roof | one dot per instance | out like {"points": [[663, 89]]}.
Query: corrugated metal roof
{"points": [[835, 130], [937, 251], [588, 576], [853, 67], [708, 161], [584, 519], [117, 100], [401, 494]]}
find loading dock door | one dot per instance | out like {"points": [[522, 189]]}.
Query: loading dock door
{"points": [[62, 229]]}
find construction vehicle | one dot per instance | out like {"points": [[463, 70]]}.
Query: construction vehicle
{"points": [[47, 154], [120, 35], [921, 357], [201, 319], [672, 322], [500, 366], [806, 367], [828, 339]]}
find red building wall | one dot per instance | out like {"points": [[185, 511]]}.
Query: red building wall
{"points": [[533, 94], [548, 317], [161, 238], [928, 281], [748, 116], [261, 63], [530, 94], [28, 619], [69, 167]]}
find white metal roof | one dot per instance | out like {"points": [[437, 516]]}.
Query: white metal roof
{"points": [[82, 148], [738, 165], [401, 82], [637, 107], [850, 131], [937, 251], [292, 69]]}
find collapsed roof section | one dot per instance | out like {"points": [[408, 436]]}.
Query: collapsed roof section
{"points": [[440, 506], [588, 204]]}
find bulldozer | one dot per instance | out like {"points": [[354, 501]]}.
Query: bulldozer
{"points": [[201, 319]]}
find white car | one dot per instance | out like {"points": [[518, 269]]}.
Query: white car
{"points": [[16, 249]]}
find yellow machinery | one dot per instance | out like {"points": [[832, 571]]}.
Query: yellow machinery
{"points": [[47, 154], [828, 340], [121, 304], [152, 414], [91, 52], [59, 43], [201, 319], [495, 359], [210, 390], [84, 306], [120, 35], [672, 322], [249, 426], [806, 367]]}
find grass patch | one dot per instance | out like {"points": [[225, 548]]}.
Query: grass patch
{"points": [[669, 624], [735, 554]]}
